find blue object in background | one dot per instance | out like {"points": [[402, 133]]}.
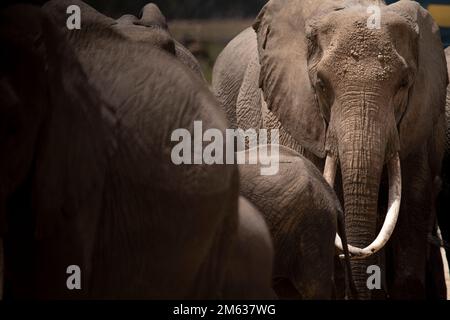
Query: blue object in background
{"points": [[444, 16]]}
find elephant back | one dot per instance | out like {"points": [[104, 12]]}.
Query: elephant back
{"points": [[229, 71]]}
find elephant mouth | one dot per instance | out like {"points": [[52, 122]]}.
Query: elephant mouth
{"points": [[395, 190]]}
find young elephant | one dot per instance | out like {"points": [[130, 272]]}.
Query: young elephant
{"points": [[87, 180], [251, 258], [302, 211]]}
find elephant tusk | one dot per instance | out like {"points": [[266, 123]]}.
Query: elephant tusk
{"points": [[395, 191], [329, 172], [355, 252]]}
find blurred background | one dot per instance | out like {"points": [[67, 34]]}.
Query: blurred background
{"points": [[206, 26]]}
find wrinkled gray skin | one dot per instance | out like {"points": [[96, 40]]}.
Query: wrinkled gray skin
{"points": [[88, 177], [152, 28], [443, 206], [301, 211], [334, 86], [447, 106], [250, 261]]}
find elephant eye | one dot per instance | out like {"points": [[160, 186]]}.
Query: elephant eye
{"points": [[404, 82], [264, 45], [320, 84], [323, 97]]}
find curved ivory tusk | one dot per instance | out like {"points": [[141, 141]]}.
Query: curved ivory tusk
{"points": [[329, 172], [355, 252], [395, 191]]}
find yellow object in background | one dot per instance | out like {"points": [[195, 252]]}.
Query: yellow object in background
{"points": [[441, 14]]}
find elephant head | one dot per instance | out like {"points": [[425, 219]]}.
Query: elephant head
{"points": [[151, 27], [355, 94]]}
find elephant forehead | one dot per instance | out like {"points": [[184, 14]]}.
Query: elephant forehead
{"points": [[356, 50], [359, 34], [358, 59]]}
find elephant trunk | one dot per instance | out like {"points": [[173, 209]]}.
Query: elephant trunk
{"points": [[361, 170], [363, 141], [362, 152]]}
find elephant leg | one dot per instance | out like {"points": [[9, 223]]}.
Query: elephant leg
{"points": [[249, 270], [436, 288], [410, 246], [312, 268], [443, 206], [339, 278], [313, 283]]}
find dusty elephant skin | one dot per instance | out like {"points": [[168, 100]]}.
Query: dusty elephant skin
{"points": [[301, 210], [88, 179], [443, 205], [362, 98]]}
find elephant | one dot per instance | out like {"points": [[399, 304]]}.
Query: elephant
{"points": [[91, 204], [443, 205], [151, 27], [302, 211], [351, 91], [249, 264]]}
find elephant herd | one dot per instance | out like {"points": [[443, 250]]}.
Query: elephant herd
{"points": [[87, 177]]}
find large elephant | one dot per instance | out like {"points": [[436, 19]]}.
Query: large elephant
{"points": [[86, 173], [301, 211], [339, 86], [443, 205]]}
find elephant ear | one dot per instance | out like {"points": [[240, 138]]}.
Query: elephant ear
{"points": [[284, 78], [151, 16], [426, 102]]}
